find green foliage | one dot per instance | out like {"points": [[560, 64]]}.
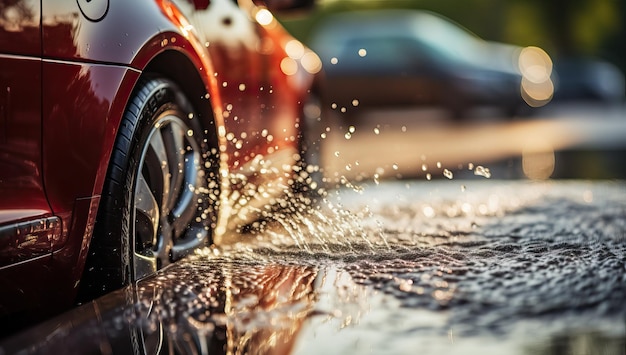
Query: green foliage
{"points": [[562, 27]]}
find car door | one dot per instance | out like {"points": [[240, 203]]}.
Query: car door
{"points": [[27, 225], [25, 218]]}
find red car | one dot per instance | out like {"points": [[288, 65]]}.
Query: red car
{"points": [[131, 132]]}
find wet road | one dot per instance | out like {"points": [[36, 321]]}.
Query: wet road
{"points": [[450, 266]]}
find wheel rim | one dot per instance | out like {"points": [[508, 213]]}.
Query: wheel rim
{"points": [[169, 196]]}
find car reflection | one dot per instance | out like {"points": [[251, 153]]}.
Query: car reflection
{"points": [[199, 307], [404, 57]]}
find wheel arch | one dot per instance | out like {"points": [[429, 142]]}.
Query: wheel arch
{"points": [[177, 67]]}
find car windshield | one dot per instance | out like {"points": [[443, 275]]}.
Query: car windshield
{"points": [[446, 38]]}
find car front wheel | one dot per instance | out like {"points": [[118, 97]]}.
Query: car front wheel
{"points": [[159, 198]]}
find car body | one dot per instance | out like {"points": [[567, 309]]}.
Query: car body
{"points": [[409, 57], [126, 117]]}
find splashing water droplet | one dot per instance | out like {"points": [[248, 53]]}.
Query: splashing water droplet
{"points": [[482, 171]]}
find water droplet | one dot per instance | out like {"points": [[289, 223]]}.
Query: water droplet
{"points": [[424, 167], [395, 166], [482, 171], [337, 153], [428, 177], [355, 102], [406, 285], [376, 131], [348, 135], [439, 165], [362, 52], [447, 173], [351, 129], [242, 87], [333, 106], [334, 60]]}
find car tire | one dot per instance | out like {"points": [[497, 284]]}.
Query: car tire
{"points": [[160, 194]]}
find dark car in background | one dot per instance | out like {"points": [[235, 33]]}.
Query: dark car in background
{"points": [[408, 57], [128, 131]]}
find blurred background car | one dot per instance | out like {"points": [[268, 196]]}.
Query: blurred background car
{"points": [[394, 57]]}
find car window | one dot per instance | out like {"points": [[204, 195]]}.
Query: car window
{"points": [[384, 53], [448, 40]]}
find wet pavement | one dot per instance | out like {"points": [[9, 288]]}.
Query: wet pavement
{"points": [[474, 266]]}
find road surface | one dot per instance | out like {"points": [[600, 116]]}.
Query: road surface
{"points": [[457, 267]]}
